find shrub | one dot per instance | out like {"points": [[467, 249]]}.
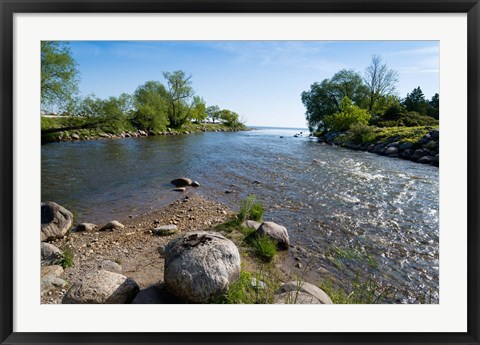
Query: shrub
{"points": [[251, 210], [349, 114], [410, 119], [361, 133]]}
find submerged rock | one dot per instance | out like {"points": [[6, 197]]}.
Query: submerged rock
{"points": [[56, 220], [200, 265], [181, 182]]}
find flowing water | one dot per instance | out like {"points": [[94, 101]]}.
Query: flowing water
{"points": [[356, 212]]}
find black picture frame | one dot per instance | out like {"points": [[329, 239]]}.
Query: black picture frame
{"points": [[10, 7]]}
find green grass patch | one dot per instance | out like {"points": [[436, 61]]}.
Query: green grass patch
{"points": [[67, 258], [250, 209], [265, 248]]}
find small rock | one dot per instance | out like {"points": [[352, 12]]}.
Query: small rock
{"points": [[179, 189], [110, 266], [181, 182], [195, 184], [54, 270], [86, 227], [50, 255], [75, 136], [304, 287], [229, 191], [113, 225], [165, 230], [277, 232]]}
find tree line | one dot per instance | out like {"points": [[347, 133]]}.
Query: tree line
{"points": [[152, 107], [348, 98]]}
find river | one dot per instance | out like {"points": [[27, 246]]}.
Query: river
{"points": [[357, 213]]}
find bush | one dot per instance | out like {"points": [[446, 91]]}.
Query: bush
{"points": [[410, 119], [361, 133], [349, 114], [251, 210], [67, 259]]}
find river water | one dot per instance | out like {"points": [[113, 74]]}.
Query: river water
{"points": [[358, 214]]}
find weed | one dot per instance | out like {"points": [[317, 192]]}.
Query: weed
{"points": [[265, 248], [251, 210], [67, 258]]}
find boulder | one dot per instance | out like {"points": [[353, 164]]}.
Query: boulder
{"points": [[110, 266], [435, 135], [293, 286], [295, 297], [419, 153], [55, 270], [405, 146], [113, 225], [181, 182], [50, 255], [425, 160], [200, 265], [251, 224], [86, 227], [56, 220], [195, 184], [50, 282], [154, 295], [102, 287], [394, 144], [75, 136], [165, 230], [391, 151], [276, 232]]}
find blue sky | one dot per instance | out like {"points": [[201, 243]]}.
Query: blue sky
{"points": [[260, 80]]}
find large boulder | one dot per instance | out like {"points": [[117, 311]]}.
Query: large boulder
{"points": [[294, 286], [200, 265], [276, 232], [56, 220], [154, 295], [181, 182], [50, 255], [102, 287]]}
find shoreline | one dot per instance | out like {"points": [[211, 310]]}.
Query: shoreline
{"points": [[138, 251]]}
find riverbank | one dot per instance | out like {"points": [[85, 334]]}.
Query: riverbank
{"points": [[418, 144], [138, 252], [71, 133]]}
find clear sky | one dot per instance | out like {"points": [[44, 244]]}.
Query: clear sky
{"points": [[260, 80]]}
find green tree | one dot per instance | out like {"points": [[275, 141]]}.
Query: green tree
{"points": [[59, 74], [152, 105], [198, 110], [348, 115], [228, 117], [415, 101], [325, 98], [380, 80], [179, 93], [213, 112], [434, 106]]}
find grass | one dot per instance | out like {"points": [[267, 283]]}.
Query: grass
{"points": [[265, 248], [339, 256], [367, 291], [67, 258], [250, 209]]}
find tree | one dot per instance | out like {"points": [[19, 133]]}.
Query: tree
{"points": [[415, 101], [198, 110], [213, 112], [59, 74], [179, 92], [434, 106], [228, 117], [325, 98], [380, 80], [348, 115], [152, 105]]}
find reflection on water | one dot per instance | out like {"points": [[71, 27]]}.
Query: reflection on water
{"points": [[326, 196]]}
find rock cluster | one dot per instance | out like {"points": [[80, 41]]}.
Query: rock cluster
{"points": [[425, 151]]}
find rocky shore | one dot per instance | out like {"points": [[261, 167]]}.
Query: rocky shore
{"points": [[91, 134], [176, 254], [425, 150]]}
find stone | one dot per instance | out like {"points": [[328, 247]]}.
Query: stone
{"points": [[419, 153], [155, 295], [295, 297], [195, 184], [110, 266], [86, 227], [56, 220], [200, 266], [425, 160], [293, 286], [179, 189], [276, 232], [165, 230], [75, 136], [251, 224], [113, 225], [435, 135], [391, 151], [51, 282], [102, 287], [55, 270], [405, 146], [394, 144], [50, 255], [181, 182]]}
